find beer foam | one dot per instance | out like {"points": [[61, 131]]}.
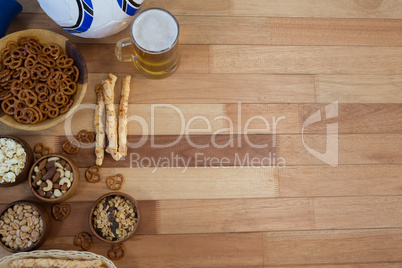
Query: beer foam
{"points": [[155, 30]]}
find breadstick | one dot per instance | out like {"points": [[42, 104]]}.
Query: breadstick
{"points": [[123, 111], [111, 120], [99, 126], [48, 262]]}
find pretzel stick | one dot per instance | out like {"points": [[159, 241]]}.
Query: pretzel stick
{"points": [[99, 126], [123, 111], [111, 120]]}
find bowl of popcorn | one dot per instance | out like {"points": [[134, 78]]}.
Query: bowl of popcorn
{"points": [[23, 226], [54, 178], [114, 218], [16, 158]]}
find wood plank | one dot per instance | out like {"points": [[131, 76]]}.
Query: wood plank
{"points": [[387, 9], [334, 32], [263, 118], [102, 59], [78, 220], [350, 265], [304, 59], [358, 212], [240, 118], [186, 88], [359, 88], [235, 215], [332, 247], [348, 180], [355, 118], [221, 30], [201, 151], [224, 30], [353, 148], [207, 7], [143, 119], [163, 183], [212, 250]]}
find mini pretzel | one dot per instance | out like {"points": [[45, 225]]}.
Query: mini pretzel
{"points": [[72, 146], [9, 105], [41, 149], [115, 182], [23, 116], [116, 252], [83, 240], [64, 61], [86, 137], [60, 211], [28, 96], [92, 174], [53, 50]]}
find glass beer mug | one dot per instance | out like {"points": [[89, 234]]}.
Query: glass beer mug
{"points": [[153, 46]]}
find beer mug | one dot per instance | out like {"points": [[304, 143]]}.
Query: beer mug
{"points": [[153, 46]]}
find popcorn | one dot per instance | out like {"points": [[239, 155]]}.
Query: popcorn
{"points": [[12, 159]]}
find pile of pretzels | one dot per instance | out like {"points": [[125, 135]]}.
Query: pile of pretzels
{"points": [[37, 81]]}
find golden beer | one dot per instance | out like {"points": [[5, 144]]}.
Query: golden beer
{"points": [[153, 43]]}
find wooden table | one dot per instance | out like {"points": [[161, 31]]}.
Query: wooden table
{"points": [[260, 68]]}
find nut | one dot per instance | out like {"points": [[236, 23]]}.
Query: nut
{"points": [[65, 181], [21, 234], [115, 218], [49, 186], [52, 177]]}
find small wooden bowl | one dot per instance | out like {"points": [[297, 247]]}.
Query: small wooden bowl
{"points": [[47, 37], [28, 162], [46, 225], [70, 191], [91, 217]]}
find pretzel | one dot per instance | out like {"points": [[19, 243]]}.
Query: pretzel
{"points": [[123, 111], [68, 87], [23, 116], [40, 78], [116, 252], [23, 73], [86, 137], [28, 96], [9, 105], [66, 108], [92, 174], [42, 150], [72, 146], [60, 211], [83, 240], [115, 182], [64, 61], [53, 50]]}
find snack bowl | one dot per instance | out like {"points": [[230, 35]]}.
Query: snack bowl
{"points": [[48, 37], [54, 178], [23, 174], [116, 213], [24, 226]]}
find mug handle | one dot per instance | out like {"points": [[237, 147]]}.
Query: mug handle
{"points": [[118, 50]]}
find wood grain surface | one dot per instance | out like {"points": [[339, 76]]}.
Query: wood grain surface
{"points": [[226, 155]]}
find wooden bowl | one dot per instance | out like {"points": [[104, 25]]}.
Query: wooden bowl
{"points": [[46, 223], [74, 184], [91, 217], [46, 37], [28, 162]]}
